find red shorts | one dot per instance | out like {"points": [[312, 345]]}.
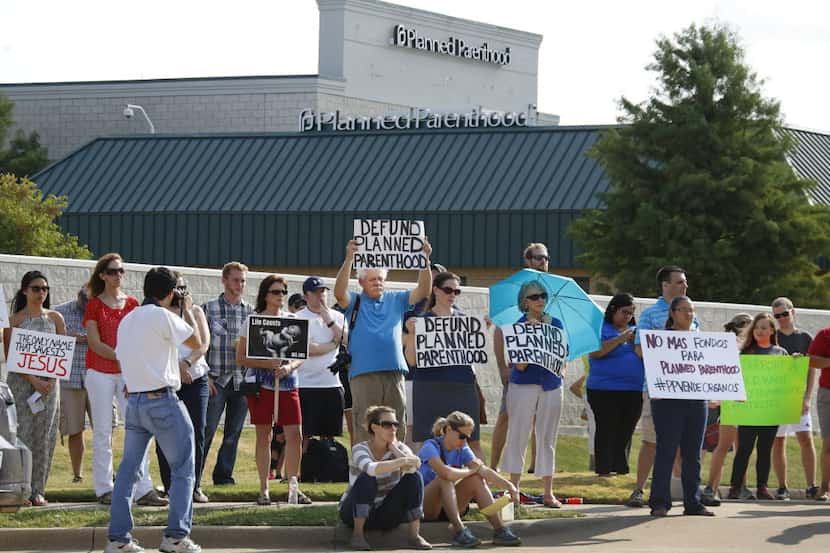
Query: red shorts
{"points": [[261, 408]]}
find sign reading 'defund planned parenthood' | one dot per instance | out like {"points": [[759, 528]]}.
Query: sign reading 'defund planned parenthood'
{"points": [[389, 244], [417, 118], [408, 37]]}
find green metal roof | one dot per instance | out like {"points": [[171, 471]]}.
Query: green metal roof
{"points": [[289, 198], [811, 159]]}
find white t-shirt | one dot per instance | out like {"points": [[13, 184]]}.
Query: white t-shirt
{"points": [[148, 340], [314, 372]]}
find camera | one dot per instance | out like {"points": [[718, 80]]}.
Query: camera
{"points": [[178, 297], [342, 361], [129, 113]]}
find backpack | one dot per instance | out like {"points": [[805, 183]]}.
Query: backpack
{"points": [[326, 460]]}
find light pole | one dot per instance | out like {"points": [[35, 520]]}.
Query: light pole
{"points": [[129, 113]]}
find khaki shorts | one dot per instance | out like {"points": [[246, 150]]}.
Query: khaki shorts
{"points": [[823, 404], [647, 431], [378, 388], [74, 404]]}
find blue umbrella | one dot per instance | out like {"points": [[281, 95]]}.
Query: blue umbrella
{"points": [[567, 301]]}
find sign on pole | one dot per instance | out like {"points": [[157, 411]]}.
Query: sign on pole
{"points": [[40, 353], [270, 337], [442, 341], [775, 387], [537, 343], [692, 365], [389, 244]]}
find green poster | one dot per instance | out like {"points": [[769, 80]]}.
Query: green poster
{"points": [[775, 387]]}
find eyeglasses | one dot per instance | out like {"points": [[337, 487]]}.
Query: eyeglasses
{"points": [[181, 288], [782, 315], [278, 292], [538, 257], [629, 312], [389, 424], [534, 297], [39, 289], [450, 291], [461, 436], [116, 271]]}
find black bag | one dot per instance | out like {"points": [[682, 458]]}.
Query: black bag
{"points": [[326, 460]]}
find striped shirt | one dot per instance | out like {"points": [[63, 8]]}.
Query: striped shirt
{"points": [[73, 316], [226, 322], [361, 459]]}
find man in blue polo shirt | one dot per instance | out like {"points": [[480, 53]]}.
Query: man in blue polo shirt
{"points": [[378, 364]]}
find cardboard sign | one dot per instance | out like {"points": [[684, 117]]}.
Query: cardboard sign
{"points": [[775, 386], [537, 343], [4, 311], [40, 353], [270, 337], [389, 244], [442, 341], [692, 365]]}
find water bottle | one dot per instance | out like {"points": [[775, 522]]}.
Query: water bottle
{"points": [[573, 501], [293, 489]]}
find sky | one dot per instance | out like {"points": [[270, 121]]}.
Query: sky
{"points": [[593, 52]]}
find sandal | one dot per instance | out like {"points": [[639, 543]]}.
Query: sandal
{"points": [[38, 501], [552, 503], [263, 499]]}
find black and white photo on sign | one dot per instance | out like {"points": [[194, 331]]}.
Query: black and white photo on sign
{"points": [[540, 344], [270, 337], [40, 353], [389, 244], [445, 341]]}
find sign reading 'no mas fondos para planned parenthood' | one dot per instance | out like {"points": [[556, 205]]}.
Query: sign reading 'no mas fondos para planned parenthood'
{"points": [[389, 244], [40, 353], [692, 365], [450, 341]]}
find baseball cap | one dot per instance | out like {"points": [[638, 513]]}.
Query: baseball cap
{"points": [[312, 284]]}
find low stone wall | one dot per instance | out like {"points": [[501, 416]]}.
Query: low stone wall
{"points": [[67, 275]]}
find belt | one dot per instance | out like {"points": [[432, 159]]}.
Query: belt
{"points": [[154, 394]]}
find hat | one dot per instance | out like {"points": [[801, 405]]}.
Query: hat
{"points": [[437, 267], [296, 301], [312, 284]]}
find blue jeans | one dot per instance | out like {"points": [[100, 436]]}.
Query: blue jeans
{"points": [[678, 423], [403, 503], [235, 407], [195, 398], [163, 417]]}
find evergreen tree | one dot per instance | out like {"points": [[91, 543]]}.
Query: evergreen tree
{"points": [[23, 155]]}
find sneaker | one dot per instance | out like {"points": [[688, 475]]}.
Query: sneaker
{"points": [[822, 496], [709, 498], [184, 545], [811, 492], [105, 499], [199, 496], [636, 499], [746, 494], [763, 493], [122, 547], [77, 479], [152, 499], [465, 539], [506, 537], [782, 494]]}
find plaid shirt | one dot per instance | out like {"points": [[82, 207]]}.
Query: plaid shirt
{"points": [[73, 316], [226, 322]]}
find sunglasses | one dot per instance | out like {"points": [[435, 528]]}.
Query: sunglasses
{"points": [[450, 291], [534, 297], [39, 289], [782, 315], [278, 292], [113, 272], [461, 436], [389, 424], [181, 288], [538, 257]]}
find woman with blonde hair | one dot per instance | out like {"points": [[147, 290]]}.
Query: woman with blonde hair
{"points": [[454, 476]]}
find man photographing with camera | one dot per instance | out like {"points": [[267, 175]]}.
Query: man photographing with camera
{"points": [[148, 339]]}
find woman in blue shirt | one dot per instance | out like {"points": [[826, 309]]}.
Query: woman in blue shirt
{"points": [[453, 477], [615, 385]]}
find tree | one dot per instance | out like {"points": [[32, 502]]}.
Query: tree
{"points": [[24, 155], [27, 222], [699, 178]]}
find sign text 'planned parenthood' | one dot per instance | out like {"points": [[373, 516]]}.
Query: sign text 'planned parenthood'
{"points": [[537, 343], [389, 244], [692, 365]]}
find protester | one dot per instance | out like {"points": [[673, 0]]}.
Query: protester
{"points": [[296, 303], [820, 359], [226, 316], [796, 342], [74, 403], [615, 387], [759, 339], [454, 476], [535, 257], [378, 364], [148, 341], [321, 394], [678, 423], [671, 282], [272, 291], [578, 390], [38, 430], [385, 487], [104, 382], [534, 398], [194, 392], [727, 434], [438, 390]]}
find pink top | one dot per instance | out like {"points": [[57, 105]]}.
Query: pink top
{"points": [[108, 320]]}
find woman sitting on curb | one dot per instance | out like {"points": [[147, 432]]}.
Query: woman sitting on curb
{"points": [[385, 487], [453, 477]]}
